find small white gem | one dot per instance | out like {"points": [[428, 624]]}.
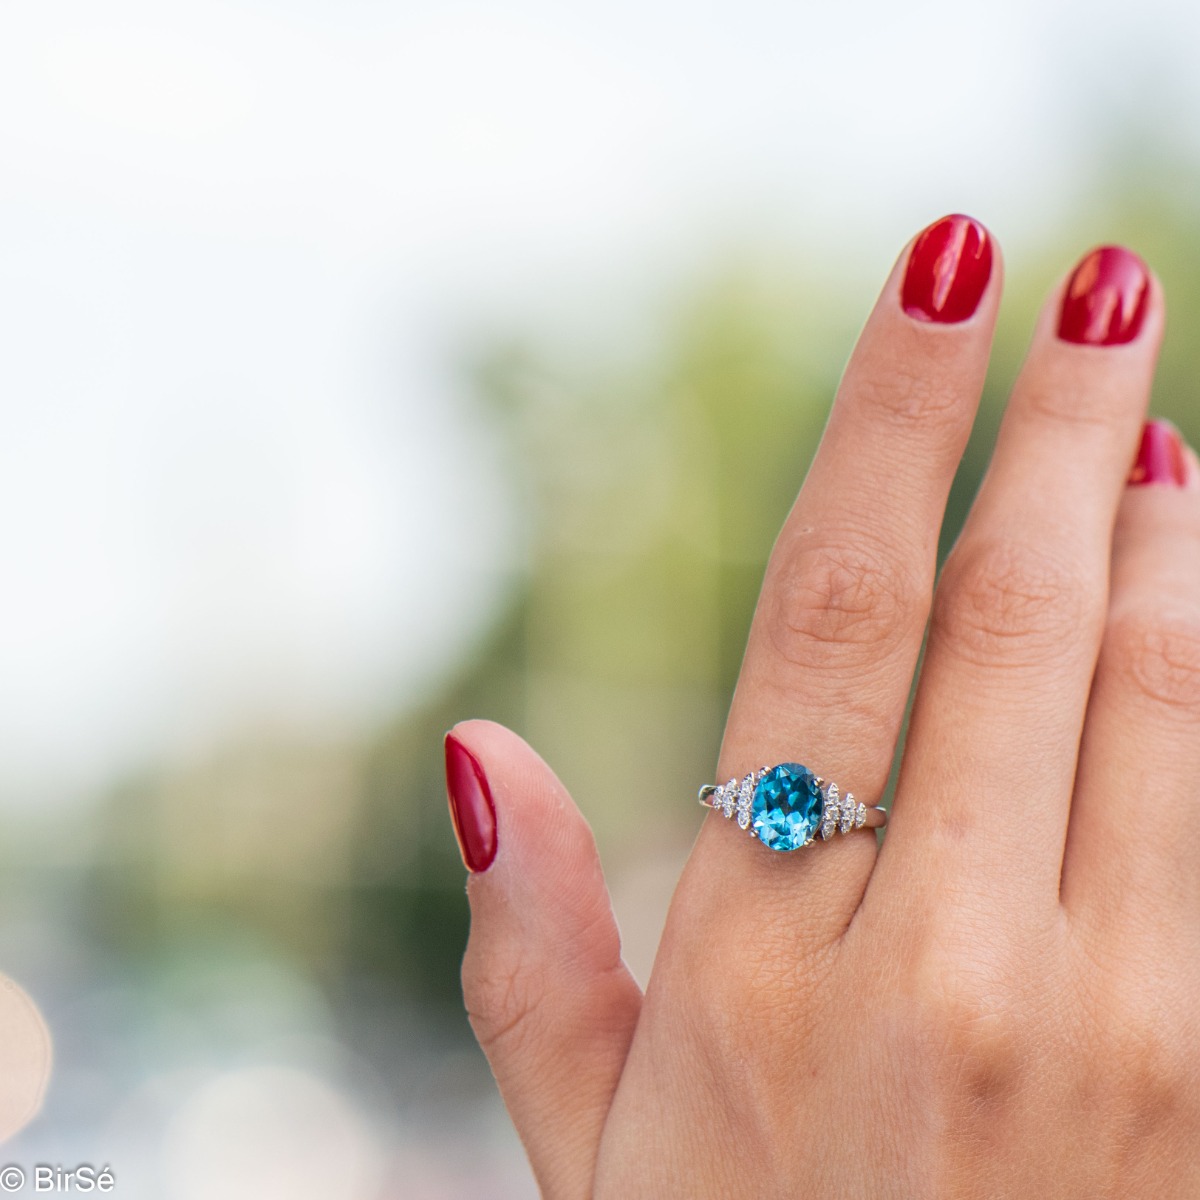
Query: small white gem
{"points": [[746, 799], [829, 810], [729, 798], [846, 816], [860, 816], [828, 822]]}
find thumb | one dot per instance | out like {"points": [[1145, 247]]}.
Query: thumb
{"points": [[550, 1000]]}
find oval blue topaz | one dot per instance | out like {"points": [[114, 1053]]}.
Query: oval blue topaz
{"points": [[787, 807]]}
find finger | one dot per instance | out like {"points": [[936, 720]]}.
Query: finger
{"points": [[1126, 858], [985, 785], [838, 626], [549, 998]]}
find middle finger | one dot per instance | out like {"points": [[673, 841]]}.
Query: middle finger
{"points": [[985, 786]]}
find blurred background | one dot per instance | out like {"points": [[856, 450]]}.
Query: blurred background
{"points": [[368, 366]]}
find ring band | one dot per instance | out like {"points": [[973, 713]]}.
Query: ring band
{"points": [[786, 806]]}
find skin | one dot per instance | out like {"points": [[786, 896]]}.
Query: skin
{"points": [[1003, 997]]}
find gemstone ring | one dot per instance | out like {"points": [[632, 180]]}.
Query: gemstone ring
{"points": [[786, 806]]}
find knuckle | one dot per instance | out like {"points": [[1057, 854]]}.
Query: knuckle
{"points": [[1067, 401], [986, 1069], [1154, 1073], [972, 998], [1005, 602], [502, 996], [1158, 656], [978, 1045], [920, 399], [1140, 1065], [827, 595]]}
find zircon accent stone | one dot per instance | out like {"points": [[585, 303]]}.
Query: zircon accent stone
{"points": [[846, 816], [830, 811], [729, 799], [745, 799], [787, 807]]}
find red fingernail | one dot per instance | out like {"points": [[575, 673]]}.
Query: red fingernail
{"points": [[948, 269], [1106, 299], [471, 807], [1160, 457]]}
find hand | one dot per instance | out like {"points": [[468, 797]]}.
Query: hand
{"points": [[1003, 999]]}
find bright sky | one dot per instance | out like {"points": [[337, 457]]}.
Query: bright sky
{"points": [[241, 242]]}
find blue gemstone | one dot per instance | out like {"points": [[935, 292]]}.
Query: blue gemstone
{"points": [[787, 807]]}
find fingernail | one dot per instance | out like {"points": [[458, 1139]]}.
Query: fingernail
{"points": [[1160, 457], [1105, 300], [948, 270], [471, 807]]}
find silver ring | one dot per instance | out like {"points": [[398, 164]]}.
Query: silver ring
{"points": [[787, 805]]}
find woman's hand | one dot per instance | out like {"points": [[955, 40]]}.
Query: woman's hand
{"points": [[1003, 1000]]}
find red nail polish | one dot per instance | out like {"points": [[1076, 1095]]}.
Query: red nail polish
{"points": [[471, 807], [1160, 457], [1105, 301], [948, 270]]}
